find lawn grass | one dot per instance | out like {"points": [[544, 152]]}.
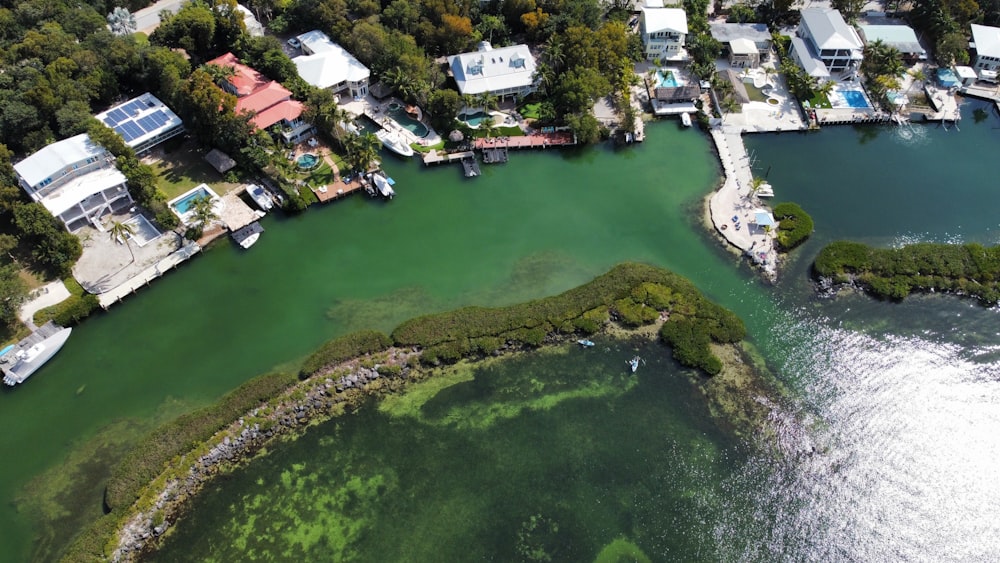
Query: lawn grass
{"points": [[322, 175], [530, 111], [184, 168], [509, 131], [819, 100], [426, 148]]}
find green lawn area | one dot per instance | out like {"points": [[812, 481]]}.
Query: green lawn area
{"points": [[510, 131], [426, 148], [530, 111], [322, 175], [819, 100], [184, 168]]}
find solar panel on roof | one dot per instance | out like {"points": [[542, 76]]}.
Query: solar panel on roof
{"points": [[117, 115], [109, 122], [148, 123], [124, 133], [132, 107], [135, 129]]}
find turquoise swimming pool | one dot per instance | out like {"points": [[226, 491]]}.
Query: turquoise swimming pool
{"points": [[184, 203], [475, 119], [668, 79], [399, 115]]}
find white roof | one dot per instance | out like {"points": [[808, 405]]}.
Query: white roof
{"points": [[79, 189], [665, 19], [140, 119], [808, 59], [492, 70], [653, 4], [742, 47], [986, 39], [965, 72], [53, 158], [330, 64], [829, 30]]}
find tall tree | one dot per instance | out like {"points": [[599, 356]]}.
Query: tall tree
{"points": [[122, 233]]}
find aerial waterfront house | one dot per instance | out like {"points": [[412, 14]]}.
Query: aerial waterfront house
{"points": [[329, 66], [503, 72], [76, 180], [663, 31], [746, 44], [143, 122], [986, 43], [270, 104], [825, 44], [902, 37]]}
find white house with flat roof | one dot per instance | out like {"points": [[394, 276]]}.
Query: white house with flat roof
{"points": [[329, 66], [507, 71], [663, 31], [76, 180], [826, 38], [986, 42], [143, 122]]}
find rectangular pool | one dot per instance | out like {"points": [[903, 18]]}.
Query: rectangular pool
{"points": [[855, 98]]}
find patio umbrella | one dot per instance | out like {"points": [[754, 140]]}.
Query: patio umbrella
{"points": [[456, 136]]}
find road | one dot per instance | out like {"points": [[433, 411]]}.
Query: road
{"points": [[147, 19]]}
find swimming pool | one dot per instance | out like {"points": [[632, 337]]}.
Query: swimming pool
{"points": [[307, 161], [855, 98], [668, 78], [183, 205], [142, 230], [399, 115], [475, 119]]}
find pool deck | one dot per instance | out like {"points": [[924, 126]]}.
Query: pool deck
{"points": [[532, 141]]}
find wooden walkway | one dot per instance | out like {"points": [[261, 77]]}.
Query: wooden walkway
{"points": [[533, 141], [338, 189], [435, 157], [111, 297]]}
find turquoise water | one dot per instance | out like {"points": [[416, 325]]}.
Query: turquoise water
{"points": [[184, 204], [475, 119], [400, 116], [307, 161], [667, 79], [855, 98]]}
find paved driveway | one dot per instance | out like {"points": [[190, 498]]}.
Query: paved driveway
{"points": [[147, 19]]}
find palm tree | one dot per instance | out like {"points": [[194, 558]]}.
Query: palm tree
{"points": [[917, 76], [121, 21], [220, 73], [203, 211], [122, 232], [362, 150]]}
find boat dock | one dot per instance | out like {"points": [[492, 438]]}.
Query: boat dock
{"points": [[494, 155], [436, 157], [168, 263], [338, 189], [471, 167], [532, 141]]}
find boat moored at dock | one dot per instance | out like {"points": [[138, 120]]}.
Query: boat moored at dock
{"points": [[260, 196], [395, 143], [27, 356], [383, 184]]}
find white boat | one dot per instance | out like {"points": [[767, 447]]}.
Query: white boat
{"points": [[27, 356], [382, 185], [248, 235], [395, 143], [764, 190], [260, 197], [585, 343], [633, 364], [686, 119]]}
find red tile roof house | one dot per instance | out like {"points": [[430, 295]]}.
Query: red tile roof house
{"points": [[270, 103]]}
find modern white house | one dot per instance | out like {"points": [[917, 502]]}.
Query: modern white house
{"points": [[827, 43], [329, 66], [741, 40], [143, 122], [663, 31], [76, 180], [986, 42], [503, 72]]}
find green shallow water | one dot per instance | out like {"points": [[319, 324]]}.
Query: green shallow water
{"points": [[889, 457]]}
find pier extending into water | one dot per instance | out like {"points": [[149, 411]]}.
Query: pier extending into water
{"points": [[149, 274]]}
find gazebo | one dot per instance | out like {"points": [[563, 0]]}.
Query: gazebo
{"points": [[763, 218]]}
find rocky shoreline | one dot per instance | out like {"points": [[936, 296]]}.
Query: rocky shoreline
{"points": [[341, 389]]}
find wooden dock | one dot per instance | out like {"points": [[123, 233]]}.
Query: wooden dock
{"points": [[435, 157], [533, 141], [471, 166], [494, 155], [338, 189]]}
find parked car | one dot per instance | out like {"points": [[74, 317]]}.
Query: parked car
{"points": [[294, 43]]}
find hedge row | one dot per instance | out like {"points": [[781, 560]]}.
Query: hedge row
{"points": [[344, 348], [147, 459], [69, 312], [794, 225], [894, 273]]}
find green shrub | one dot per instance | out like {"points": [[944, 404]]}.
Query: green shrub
{"points": [[343, 348], [390, 370], [794, 225], [632, 313]]}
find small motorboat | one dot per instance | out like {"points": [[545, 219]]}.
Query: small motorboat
{"points": [[260, 197], [395, 143], [585, 343], [633, 364], [383, 185], [686, 119]]}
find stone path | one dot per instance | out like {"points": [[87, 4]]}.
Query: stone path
{"points": [[45, 296]]}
